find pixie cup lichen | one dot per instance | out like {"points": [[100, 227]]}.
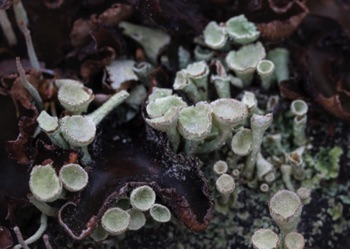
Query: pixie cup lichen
{"points": [[220, 167], [285, 208], [160, 213], [250, 100], [263, 166], [222, 81], [299, 109], [50, 125], [241, 31], [137, 219], [241, 143], [142, 198], [227, 114], [245, 60], [195, 124], [225, 184], [265, 239], [74, 97], [115, 221], [294, 240], [215, 35], [44, 183], [266, 70], [74, 178]]}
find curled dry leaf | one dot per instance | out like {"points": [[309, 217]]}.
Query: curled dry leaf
{"points": [[321, 58], [176, 179]]}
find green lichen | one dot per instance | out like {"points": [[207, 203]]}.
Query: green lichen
{"points": [[327, 162]]}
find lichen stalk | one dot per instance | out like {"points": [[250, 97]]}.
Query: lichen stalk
{"points": [[37, 235], [47, 241], [259, 124], [20, 12], [7, 28], [108, 106], [30, 47], [33, 92], [299, 126]]}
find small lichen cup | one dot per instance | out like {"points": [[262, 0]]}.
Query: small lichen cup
{"points": [[285, 208], [160, 213], [115, 221], [142, 198], [265, 239], [44, 183]]}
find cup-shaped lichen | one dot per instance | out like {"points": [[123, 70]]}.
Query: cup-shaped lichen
{"points": [[168, 124], [294, 240], [244, 61], [263, 166], [182, 83], [115, 221], [195, 121], [47, 123], [225, 184], [250, 100], [51, 127], [221, 80], [299, 107], [74, 178], [78, 130], [160, 213], [220, 167], [296, 161], [229, 112], [159, 93], [265, 239], [137, 219], [142, 198], [201, 53], [197, 73], [241, 143], [241, 31], [285, 208], [215, 35], [266, 70], [159, 106], [74, 97], [44, 183], [304, 195]]}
